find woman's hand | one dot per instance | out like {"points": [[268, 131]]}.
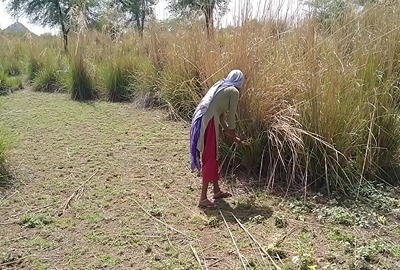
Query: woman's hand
{"points": [[238, 141], [231, 134]]}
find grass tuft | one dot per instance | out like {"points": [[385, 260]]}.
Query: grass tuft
{"points": [[9, 84], [47, 79], [117, 80], [80, 82]]}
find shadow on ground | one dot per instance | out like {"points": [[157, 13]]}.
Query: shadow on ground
{"points": [[6, 179], [245, 212]]}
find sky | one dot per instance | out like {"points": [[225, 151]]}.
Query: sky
{"points": [[235, 12], [6, 20]]}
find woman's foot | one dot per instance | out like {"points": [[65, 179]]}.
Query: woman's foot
{"points": [[221, 195], [207, 204]]}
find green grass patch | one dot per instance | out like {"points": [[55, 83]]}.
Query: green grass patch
{"points": [[4, 147], [305, 258], [39, 265], [12, 67], [9, 84], [80, 83], [34, 66], [47, 79], [31, 221], [108, 261], [117, 79], [40, 243]]}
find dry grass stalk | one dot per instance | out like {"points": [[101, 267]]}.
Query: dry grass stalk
{"points": [[233, 241], [255, 241], [160, 221], [196, 256], [76, 194]]}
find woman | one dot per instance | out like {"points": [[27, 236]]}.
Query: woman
{"points": [[222, 98]]}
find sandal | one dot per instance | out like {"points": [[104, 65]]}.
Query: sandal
{"points": [[221, 195], [206, 204]]}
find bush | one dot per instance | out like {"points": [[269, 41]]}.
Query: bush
{"points": [[12, 67], [9, 84], [79, 82], [34, 66], [128, 76], [4, 84], [47, 79], [13, 57], [15, 83], [117, 77], [3, 148]]}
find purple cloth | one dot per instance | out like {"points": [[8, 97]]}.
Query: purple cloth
{"points": [[194, 138], [235, 78]]}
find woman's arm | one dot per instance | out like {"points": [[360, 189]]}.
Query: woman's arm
{"points": [[231, 121], [233, 103], [222, 122]]}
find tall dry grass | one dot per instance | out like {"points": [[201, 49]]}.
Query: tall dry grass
{"points": [[318, 103]]}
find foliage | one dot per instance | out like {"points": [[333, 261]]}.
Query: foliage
{"points": [[65, 14], [4, 144], [79, 82], [116, 82], [34, 66], [329, 12], [45, 12], [187, 7], [138, 11], [206, 7], [35, 221], [9, 84], [47, 79], [4, 84]]}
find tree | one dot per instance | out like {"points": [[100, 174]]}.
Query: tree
{"points": [[207, 7], [45, 12], [138, 10], [84, 14], [55, 13], [327, 12], [111, 20]]}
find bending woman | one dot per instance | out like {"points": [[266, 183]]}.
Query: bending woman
{"points": [[210, 114]]}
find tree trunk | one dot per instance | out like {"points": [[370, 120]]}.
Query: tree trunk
{"points": [[63, 28], [65, 37], [144, 10], [139, 25], [208, 13]]}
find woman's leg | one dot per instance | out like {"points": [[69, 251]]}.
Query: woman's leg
{"points": [[204, 188], [216, 187], [218, 193], [210, 169]]}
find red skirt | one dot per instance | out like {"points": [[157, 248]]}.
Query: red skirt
{"points": [[210, 168]]}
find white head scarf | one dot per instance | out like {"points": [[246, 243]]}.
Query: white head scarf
{"points": [[235, 78]]}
